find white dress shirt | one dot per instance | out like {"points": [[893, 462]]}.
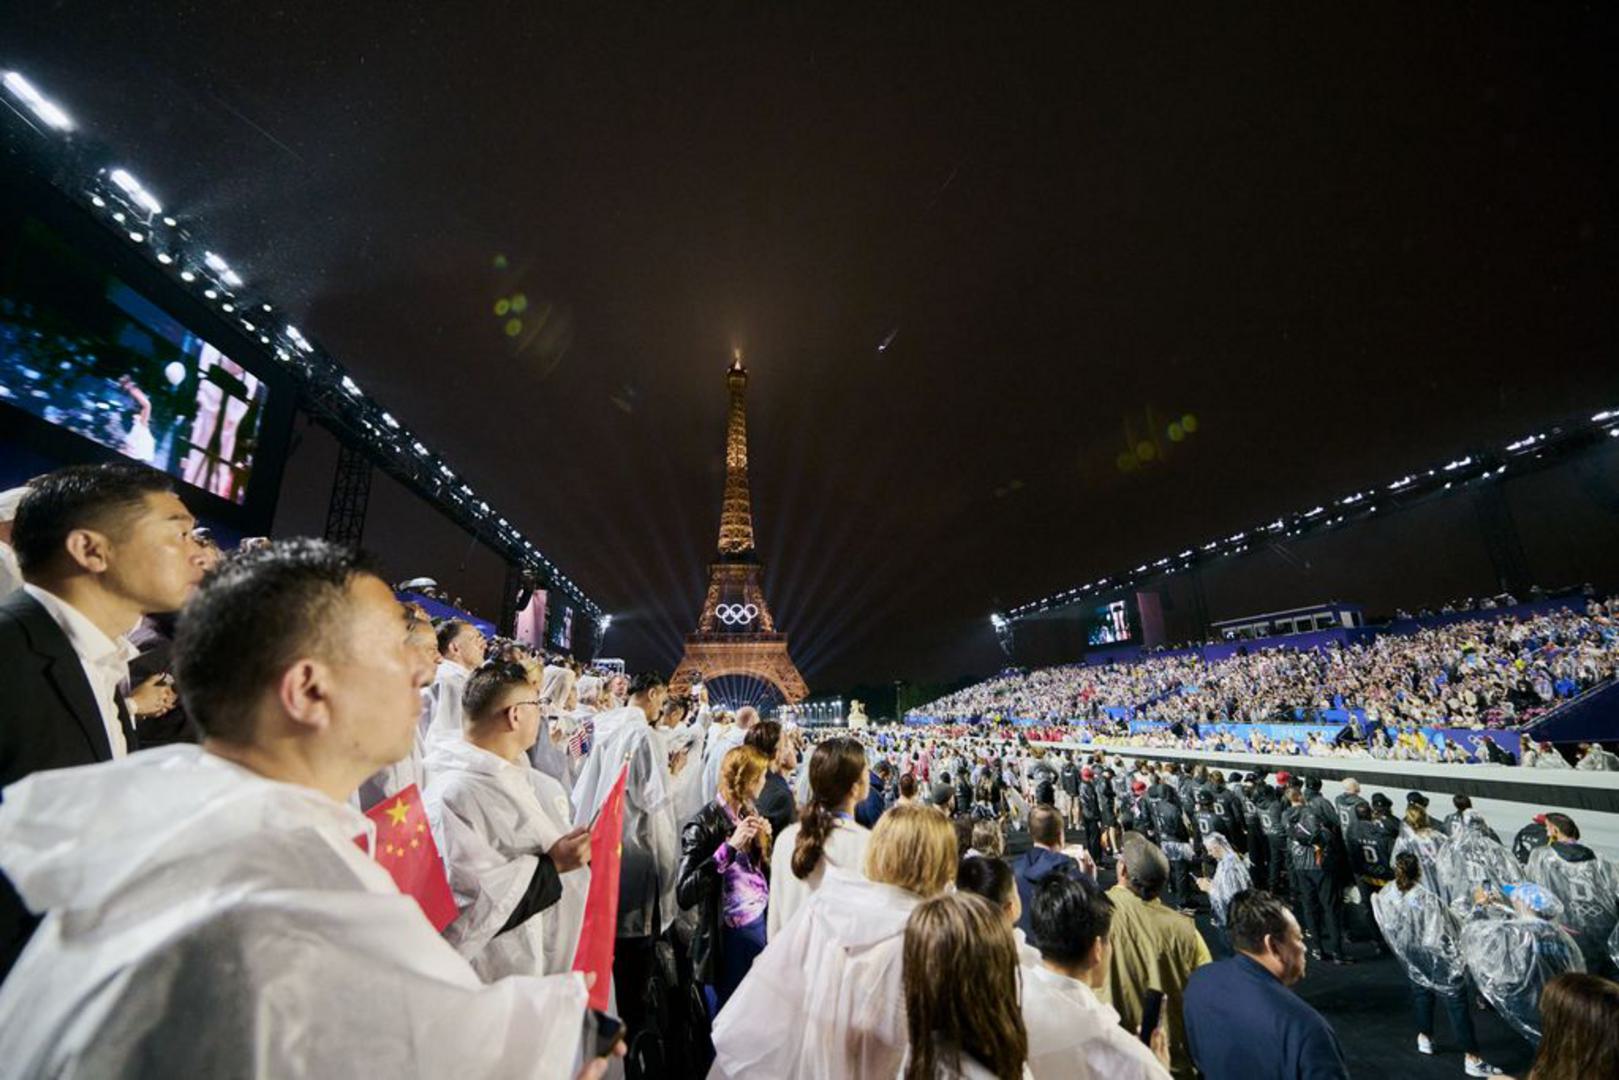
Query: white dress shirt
{"points": [[1075, 1036], [105, 660]]}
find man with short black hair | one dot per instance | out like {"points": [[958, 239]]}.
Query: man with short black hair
{"points": [[1154, 947], [228, 874], [99, 546], [1241, 1020], [1071, 1032], [516, 865]]}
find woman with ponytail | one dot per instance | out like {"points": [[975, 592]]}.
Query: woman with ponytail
{"points": [[1426, 936], [825, 834]]}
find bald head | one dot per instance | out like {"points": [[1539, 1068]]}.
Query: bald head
{"points": [[746, 717], [1351, 785]]}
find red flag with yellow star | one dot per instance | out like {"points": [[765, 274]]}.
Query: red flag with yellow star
{"points": [[406, 850], [595, 952]]}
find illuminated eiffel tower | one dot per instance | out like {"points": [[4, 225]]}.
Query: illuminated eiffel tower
{"points": [[736, 634]]}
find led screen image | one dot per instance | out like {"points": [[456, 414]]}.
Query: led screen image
{"points": [[1110, 624], [82, 350]]}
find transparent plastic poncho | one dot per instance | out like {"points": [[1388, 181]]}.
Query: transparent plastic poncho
{"points": [[1230, 878], [1513, 952], [1426, 846], [1471, 861], [1424, 934], [1589, 892]]}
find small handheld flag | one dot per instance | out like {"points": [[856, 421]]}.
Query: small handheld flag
{"points": [[595, 952], [405, 848]]}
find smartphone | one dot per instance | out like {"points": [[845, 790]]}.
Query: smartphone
{"points": [[609, 1030], [1152, 1006]]}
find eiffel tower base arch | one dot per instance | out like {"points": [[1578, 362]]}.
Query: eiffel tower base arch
{"points": [[766, 660]]}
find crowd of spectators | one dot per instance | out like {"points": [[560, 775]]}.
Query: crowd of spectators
{"points": [[917, 903], [1386, 693]]}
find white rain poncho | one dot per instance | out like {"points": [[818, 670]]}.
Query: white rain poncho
{"points": [[1512, 954], [687, 784], [1230, 878], [1424, 934], [824, 1000], [651, 848], [1426, 846], [1471, 860], [492, 820], [205, 921], [449, 686], [549, 754], [1588, 886], [721, 739], [1613, 947]]}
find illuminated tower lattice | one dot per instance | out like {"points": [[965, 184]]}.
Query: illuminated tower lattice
{"points": [[736, 634]]}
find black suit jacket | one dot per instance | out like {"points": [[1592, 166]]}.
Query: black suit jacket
{"points": [[48, 720]]}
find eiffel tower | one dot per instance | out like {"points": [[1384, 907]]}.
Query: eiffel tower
{"points": [[736, 634]]}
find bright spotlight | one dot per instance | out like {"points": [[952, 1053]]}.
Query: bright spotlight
{"points": [[137, 194], [40, 105]]}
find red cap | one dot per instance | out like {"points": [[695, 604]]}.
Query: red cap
{"points": [[1138, 786], [1087, 773], [1539, 819], [1283, 777]]}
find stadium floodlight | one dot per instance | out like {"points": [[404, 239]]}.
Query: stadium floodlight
{"points": [[606, 622], [998, 621], [388, 418], [351, 386], [41, 106], [136, 192]]}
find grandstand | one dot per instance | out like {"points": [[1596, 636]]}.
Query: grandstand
{"points": [[1458, 686]]}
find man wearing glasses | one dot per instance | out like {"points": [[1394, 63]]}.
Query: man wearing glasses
{"points": [[519, 873]]}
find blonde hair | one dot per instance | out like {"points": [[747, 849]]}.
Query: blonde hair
{"points": [[913, 847], [740, 769]]}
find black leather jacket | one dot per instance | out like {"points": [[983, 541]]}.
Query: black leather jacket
{"points": [[699, 885]]}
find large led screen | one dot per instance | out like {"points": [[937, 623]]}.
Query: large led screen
{"points": [[81, 349]]}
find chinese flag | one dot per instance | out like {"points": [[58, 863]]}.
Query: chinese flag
{"points": [[406, 850], [595, 952]]}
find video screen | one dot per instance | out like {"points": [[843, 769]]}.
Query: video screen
{"points": [[562, 630], [1110, 624], [82, 350]]}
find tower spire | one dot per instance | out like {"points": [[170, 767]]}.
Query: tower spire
{"points": [[736, 511], [736, 634]]}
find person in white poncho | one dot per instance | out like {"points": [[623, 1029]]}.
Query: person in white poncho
{"points": [[1073, 1034], [825, 836], [519, 873], [961, 993], [207, 910], [461, 647], [825, 1000]]}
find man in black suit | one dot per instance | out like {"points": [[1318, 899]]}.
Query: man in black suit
{"points": [[99, 546]]}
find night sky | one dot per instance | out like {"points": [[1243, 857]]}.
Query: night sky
{"points": [[1347, 240]]}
